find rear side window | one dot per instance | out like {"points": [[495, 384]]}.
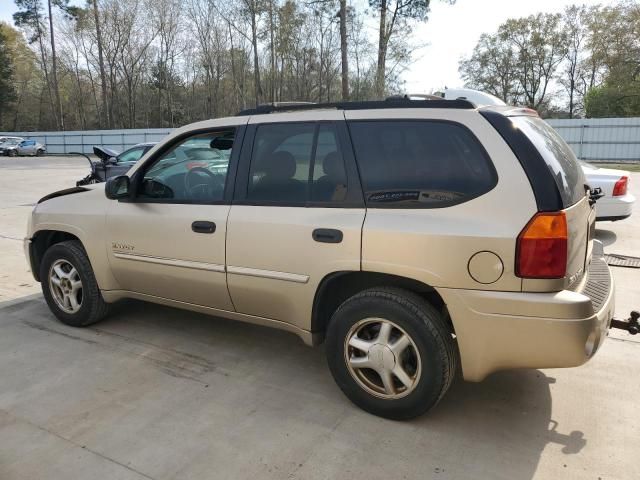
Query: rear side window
{"points": [[420, 164], [558, 156], [296, 163]]}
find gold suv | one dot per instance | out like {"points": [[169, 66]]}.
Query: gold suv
{"points": [[413, 237]]}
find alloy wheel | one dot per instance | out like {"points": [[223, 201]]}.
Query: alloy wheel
{"points": [[66, 286], [382, 358]]}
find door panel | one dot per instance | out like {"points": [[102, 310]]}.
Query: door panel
{"points": [[294, 179], [153, 250], [169, 239], [274, 264]]}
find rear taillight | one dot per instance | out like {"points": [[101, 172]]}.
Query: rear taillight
{"points": [[620, 188], [542, 247]]}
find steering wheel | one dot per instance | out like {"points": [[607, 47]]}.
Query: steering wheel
{"points": [[198, 186]]}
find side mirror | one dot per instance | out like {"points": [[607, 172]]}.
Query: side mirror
{"points": [[117, 187], [111, 161]]}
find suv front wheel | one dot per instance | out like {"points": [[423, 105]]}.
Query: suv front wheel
{"points": [[69, 286], [391, 352]]}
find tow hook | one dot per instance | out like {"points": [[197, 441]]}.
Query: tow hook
{"points": [[630, 325]]}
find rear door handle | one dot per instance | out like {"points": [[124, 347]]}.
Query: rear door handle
{"points": [[201, 226], [327, 235]]}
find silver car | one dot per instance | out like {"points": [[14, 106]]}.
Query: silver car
{"points": [[9, 143], [27, 147]]}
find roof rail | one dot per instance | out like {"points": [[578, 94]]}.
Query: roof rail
{"points": [[392, 102], [415, 96]]}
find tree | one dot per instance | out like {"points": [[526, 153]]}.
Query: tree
{"points": [[540, 46], [56, 89], [7, 87], [344, 54], [519, 63], [492, 68], [103, 75], [151, 63], [615, 43], [30, 18], [575, 25], [394, 16]]}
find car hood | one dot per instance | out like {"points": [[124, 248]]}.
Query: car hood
{"points": [[104, 153]]}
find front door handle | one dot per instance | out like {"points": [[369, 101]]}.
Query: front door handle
{"points": [[201, 226], [327, 235]]}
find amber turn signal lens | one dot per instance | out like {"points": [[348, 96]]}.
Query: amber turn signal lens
{"points": [[541, 250]]}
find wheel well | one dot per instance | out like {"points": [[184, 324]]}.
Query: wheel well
{"points": [[41, 242], [337, 287]]}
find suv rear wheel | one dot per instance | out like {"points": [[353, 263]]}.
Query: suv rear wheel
{"points": [[69, 286], [391, 353]]}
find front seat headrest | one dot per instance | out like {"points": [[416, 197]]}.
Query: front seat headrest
{"points": [[281, 165]]}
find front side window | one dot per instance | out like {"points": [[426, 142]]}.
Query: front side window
{"points": [[296, 163], [420, 164], [131, 155], [192, 171]]}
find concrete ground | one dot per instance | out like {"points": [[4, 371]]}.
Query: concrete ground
{"points": [[158, 393]]}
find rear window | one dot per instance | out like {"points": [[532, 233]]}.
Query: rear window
{"points": [[420, 164], [558, 156]]}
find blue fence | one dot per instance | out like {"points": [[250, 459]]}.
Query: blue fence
{"points": [[83, 141], [601, 139]]}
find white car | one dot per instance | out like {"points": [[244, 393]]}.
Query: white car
{"points": [[475, 96], [617, 202]]}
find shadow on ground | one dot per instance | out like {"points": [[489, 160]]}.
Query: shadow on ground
{"points": [[607, 237], [132, 385]]}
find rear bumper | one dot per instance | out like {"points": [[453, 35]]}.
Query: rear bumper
{"points": [[506, 330], [614, 208]]}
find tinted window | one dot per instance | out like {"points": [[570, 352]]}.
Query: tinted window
{"points": [[192, 171], [420, 163], [295, 163], [329, 176], [558, 156], [131, 155]]}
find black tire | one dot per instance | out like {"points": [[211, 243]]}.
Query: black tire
{"points": [[39, 152], [12, 153], [92, 307], [424, 325]]}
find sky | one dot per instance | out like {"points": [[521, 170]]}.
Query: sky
{"points": [[451, 33]]}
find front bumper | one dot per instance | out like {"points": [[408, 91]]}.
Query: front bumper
{"points": [[29, 253], [506, 330]]}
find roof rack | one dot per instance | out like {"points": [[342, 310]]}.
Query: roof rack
{"points": [[415, 96], [391, 102]]}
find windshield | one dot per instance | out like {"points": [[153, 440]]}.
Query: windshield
{"points": [[558, 156]]}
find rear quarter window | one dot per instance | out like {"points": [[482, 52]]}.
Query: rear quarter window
{"points": [[558, 156], [420, 164]]}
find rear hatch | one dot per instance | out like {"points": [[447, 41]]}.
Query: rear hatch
{"points": [[573, 197]]}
